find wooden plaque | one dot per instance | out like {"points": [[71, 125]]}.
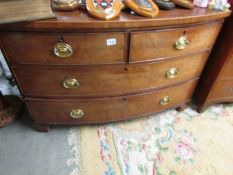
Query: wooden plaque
{"points": [[106, 10]]}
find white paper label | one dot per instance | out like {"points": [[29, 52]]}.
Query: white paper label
{"points": [[111, 42]]}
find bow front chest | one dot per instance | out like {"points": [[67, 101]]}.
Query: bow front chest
{"points": [[79, 70]]}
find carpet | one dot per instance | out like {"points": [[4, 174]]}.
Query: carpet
{"points": [[167, 143]]}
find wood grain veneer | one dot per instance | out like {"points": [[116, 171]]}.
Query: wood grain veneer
{"points": [[223, 90], [217, 81], [228, 71], [107, 80], [88, 48], [24, 10], [109, 109], [160, 43], [81, 21], [119, 81]]}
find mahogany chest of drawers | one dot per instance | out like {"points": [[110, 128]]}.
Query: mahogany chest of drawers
{"points": [[216, 84], [79, 70]]}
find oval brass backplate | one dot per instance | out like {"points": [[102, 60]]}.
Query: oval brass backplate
{"points": [[71, 83], [172, 73], [62, 50], [181, 43], [165, 100], [76, 113]]}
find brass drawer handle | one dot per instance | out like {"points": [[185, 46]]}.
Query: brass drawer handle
{"points": [[165, 100], [62, 50], [172, 73], [71, 83], [181, 43], [76, 113]]}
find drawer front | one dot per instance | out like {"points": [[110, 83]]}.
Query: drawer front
{"points": [[79, 48], [228, 70], [104, 81], [109, 109], [159, 44], [223, 90]]}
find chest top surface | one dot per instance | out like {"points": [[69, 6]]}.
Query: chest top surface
{"points": [[80, 20]]}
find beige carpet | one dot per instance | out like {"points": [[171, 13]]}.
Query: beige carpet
{"points": [[168, 143]]}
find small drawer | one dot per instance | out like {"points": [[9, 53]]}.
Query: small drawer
{"points": [[228, 70], [223, 90], [149, 45], [100, 110], [108, 80], [64, 49]]}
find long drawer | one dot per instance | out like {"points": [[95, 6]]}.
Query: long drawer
{"points": [[149, 45], [64, 49], [228, 70], [99, 110], [103, 81], [223, 90]]}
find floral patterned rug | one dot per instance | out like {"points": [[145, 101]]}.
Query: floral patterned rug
{"points": [[167, 143]]}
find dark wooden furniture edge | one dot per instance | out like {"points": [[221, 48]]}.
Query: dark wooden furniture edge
{"points": [[82, 21], [213, 70]]}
